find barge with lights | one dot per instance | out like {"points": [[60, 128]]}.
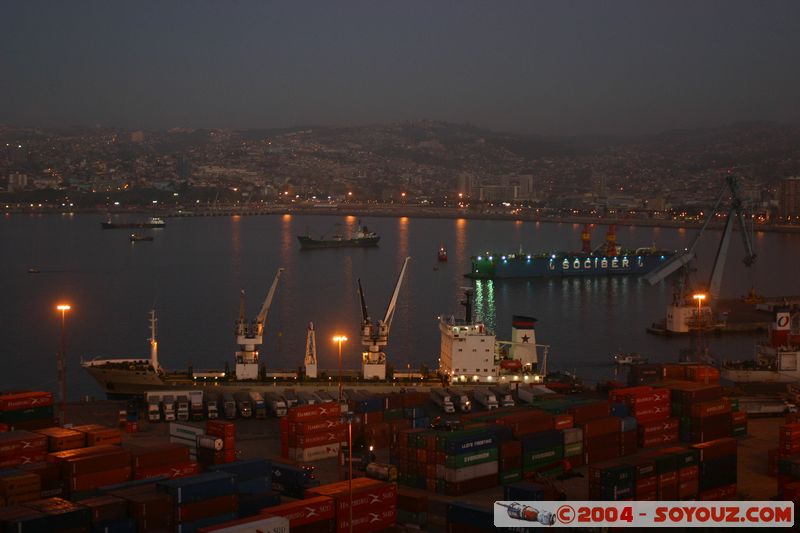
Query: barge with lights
{"points": [[609, 259]]}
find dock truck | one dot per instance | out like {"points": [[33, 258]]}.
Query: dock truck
{"points": [[183, 408], [529, 393], [461, 400], [259, 406], [442, 398], [275, 404], [153, 407], [229, 406], [244, 405], [307, 398], [290, 398], [503, 395], [485, 397], [196, 406], [212, 406]]}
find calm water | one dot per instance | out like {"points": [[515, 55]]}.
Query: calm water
{"points": [[194, 269]]}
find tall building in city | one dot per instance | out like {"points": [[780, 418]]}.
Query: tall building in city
{"points": [[789, 197], [600, 186]]}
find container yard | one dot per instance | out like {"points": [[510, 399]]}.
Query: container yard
{"points": [[673, 434]]}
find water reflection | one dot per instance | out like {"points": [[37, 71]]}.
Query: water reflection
{"points": [[485, 303]]}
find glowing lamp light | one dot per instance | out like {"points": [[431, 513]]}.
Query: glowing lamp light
{"points": [[63, 307], [480, 258], [490, 258]]}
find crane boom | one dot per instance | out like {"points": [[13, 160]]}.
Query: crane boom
{"points": [[364, 312], [262, 315], [387, 319]]}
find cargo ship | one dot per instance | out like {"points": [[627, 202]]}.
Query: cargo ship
{"points": [[362, 238], [777, 360], [153, 222], [606, 260]]}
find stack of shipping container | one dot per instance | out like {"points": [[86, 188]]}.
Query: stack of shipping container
{"points": [[374, 504], [26, 410], [312, 432]]}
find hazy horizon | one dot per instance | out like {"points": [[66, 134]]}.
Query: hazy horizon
{"points": [[545, 68]]}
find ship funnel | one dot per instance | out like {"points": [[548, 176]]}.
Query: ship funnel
{"points": [[523, 339]]}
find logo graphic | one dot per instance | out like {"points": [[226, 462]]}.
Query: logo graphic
{"points": [[527, 513]]}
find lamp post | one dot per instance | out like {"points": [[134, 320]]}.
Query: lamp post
{"points": [[699, 297], [349, 416], [62, 364], [340, 339]]}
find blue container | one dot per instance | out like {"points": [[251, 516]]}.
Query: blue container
{"points": [[620, 409], [472, 515], [542, 440], [370, 405], [414, 412], [421, 423], [254, 486], [524, 490], [127, 525], [470, 443], [629, 423], [247, 469], [291, 480], [251, 504], [191, 527], [198, 488]]}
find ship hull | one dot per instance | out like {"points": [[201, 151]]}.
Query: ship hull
{"points": [[564, 265], [128, 225], [307, 243], [759, 376]]}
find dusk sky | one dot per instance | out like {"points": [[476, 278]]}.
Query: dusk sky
{"points": [[557, 67]]}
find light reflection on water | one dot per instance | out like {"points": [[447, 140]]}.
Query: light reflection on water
{"points": [[196, 267]]}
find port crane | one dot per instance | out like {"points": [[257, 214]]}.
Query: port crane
{"points": [[250, 335], [680, 311], [375, 336]]}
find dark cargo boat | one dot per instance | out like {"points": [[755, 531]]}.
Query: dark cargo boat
{"points": [[362, 238], [154, 222]]}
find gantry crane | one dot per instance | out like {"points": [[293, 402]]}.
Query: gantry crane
{"points": [[310, 360], [681, 309], [375, 336], [250, 336]]}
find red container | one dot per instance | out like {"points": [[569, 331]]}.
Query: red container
{"points": [[596, 455], [645, 485], [372, 418], [25, 400], [590, 411], [377, 519], [725, 492], [664, 438], [149, 505], [529, 426], [790, 432], [366, 494], [609, 440], [411, 501], [512, 448], [716, 448], [688, 473], [642, 467], [688, 489], [620, 395], [673, 371], [304, 512], [314, 412], [183, 469], [106, 508], [470, 485], [221, 429], [657, 427], [563, 421], [22, 459], [739, 417], [189, 512], [49, 473], [92, 480], [87, 464], [651, 412], [313, 426], [687, 393], [309, 440], [157, 455], [668, 486], [601, 426], [14, 443], [702, 373], [710, 408]]}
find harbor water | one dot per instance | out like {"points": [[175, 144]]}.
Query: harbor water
{"points": [[194, 269]]}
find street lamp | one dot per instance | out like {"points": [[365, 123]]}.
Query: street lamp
{"points": [[699, 297], [350, 416], [61, 365], [340, 339]]}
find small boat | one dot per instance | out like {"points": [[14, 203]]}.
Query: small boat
{"points": [[33, 270], [631, 358], [442, 254], [136, 237]]}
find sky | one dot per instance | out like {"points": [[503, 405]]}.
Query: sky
{"points": [[559, 67]]}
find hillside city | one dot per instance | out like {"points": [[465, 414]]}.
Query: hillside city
{"points": [[430, 167]]}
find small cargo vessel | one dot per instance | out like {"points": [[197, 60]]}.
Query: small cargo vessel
{"points": [[137, 237], [442, 254], [362, 238], [629, 358], [153, 222]]}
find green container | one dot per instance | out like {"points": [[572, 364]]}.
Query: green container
{"points": [[441, 486], [392, 414], [510, 476], [25, 415], [571, 450], [689, 457], [739, 431], [407, 517], [543, 457], [471, 458], [734, 404], [552, 472]]}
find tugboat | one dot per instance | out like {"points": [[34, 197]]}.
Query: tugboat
{"points": [[630, 358], [137, 237], [363, 238], [442, 255]]}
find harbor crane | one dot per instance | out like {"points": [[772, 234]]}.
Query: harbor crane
{"points": [[250, 335], [375, 336], [679, 314], [310, 360]]}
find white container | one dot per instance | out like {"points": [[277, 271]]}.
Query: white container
{"points": [[315, 453], [572, 435], [455, 475], [210, 443]]}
